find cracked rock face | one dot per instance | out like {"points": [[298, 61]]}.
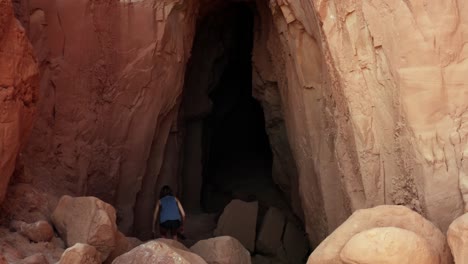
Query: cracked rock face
{"points": [[18, 92], [365, 102]]}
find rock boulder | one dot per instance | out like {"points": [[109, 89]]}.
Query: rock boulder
{"points": [[81, 254], [86, 220], [239, 220], [39, 231], [388, 245], [381, 216], [457, 237], [158, 252], [222, 250], [271, 232]]}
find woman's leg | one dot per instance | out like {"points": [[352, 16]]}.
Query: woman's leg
{"points": [[163, 231]]}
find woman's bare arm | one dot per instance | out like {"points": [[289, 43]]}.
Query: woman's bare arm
{"points": [[181, 209], [155, 215]]}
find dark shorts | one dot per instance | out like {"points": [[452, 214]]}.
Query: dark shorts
{"points": [[170, 225]]}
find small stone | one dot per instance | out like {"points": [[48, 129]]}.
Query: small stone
{"points": [[40, 231]]}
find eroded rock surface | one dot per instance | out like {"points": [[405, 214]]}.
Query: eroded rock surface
{"points": [[457, 238], [123, 244], [19, 85], [381, 216], [271, 232], [388, 245], [158, 252], [35, 259], [37, 232], [86, 220], [81, 254], [239, 220], [222, 250]]}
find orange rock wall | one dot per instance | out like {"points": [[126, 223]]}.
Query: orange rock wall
{"points": [[19, 84], [372, 95], [111, 78]]}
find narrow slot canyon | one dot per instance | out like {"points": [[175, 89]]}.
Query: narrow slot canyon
{"points": [[232, 147], [290, 131], [227, 153]]}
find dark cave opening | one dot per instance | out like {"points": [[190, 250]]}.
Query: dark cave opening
{"points": [[227, 151], [237, 154]]}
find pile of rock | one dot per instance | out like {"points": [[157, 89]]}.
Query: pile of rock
{"points": [[88, 229], [383, 234]]}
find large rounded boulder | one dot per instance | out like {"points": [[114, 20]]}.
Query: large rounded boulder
{"points": [[158, 252], [86, 220], [80, 254], [457, 237], [388, 245], [329, 251], [222, 250]]}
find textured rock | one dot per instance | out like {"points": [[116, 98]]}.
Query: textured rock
{"points": [[239, 220], [388, 245], [17, 248], [35, 259], [222, 250], [81, 254], [365, 103], [457, 238], [295, 243], [381, 216], [123, 244], [112, 73], [332, 64], [271, 231], [158, 252], [172, 243], [19, 84], [86, 220], [37, 232], [414, 142]]}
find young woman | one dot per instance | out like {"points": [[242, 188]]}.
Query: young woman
{"points": [[171, 214]]}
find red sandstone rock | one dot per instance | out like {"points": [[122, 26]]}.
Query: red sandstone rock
{"points": [[172, 243], [123, 244], [457, 238], [329, 250], [19, 83], [158, 252], [16, 247], [35, 259], [86, 220], [372, 97], [37, 232], [388, 245], [81, 254], [271, 232], [239, 220], [222, 250], [295, 243]]}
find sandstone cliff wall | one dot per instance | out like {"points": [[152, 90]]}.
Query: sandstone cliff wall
{"points": [[365, 102], [112, 75], [19, 85]]}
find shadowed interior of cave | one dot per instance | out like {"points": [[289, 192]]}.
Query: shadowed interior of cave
{"points": [[227, 152]]}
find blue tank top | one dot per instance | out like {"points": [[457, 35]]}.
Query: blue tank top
{"points": [[169, 209]]}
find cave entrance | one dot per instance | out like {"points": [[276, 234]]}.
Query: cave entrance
{"points": [[227, 154]]}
